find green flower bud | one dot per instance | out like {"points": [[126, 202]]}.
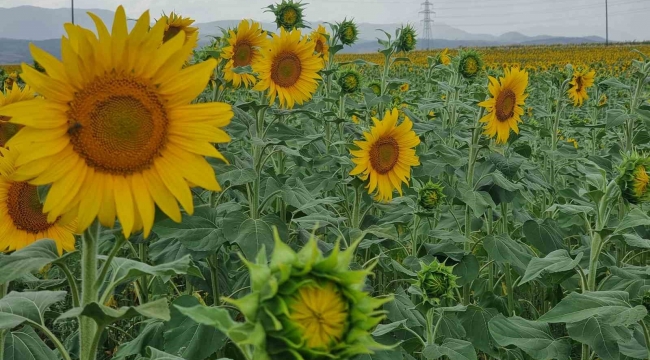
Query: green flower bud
{"points": [[430, 196], [349, 81], [348, 32], [375, 87], [470, 64], [633, 179], [406, 40], [436, 282], [288, 15]]}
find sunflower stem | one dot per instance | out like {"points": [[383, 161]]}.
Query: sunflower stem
{"points": [[4, 288], [213, 261], [88, 327], [629, 133]]}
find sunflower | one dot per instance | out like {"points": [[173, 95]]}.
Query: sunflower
{"points": [[245, 48], [634, 180], [16, 94], [175, 24], [582, 80], [431, 115], [289, 69], [116, 133], [443, 57], [355, 119], [349, 81], [22, 221], [504, 111], [436, 282], [11, 80], [375, 87], [386, 155], [404, 87], [321, 45], [288, 15], [470, 64], [407, 39], [347, 32], [430, 195], [573, 142], [602, 101]]}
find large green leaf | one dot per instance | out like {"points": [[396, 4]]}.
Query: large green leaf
{"points": [[454, 349], [475, 321], [27, 307], [600, 336], [612, 307], [27, 260], [478, 201], [199, 232], [155, 354], [636, 217], [252, 234], [504, 250], [187, 338], [25, 344], [545, 236], [123, 269], [151, 335], [531, 336], [556, 261], [104, 315]]}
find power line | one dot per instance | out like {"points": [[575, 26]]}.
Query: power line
{"points": [[427, 22]]}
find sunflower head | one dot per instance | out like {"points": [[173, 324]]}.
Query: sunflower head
{"points": [[436, 281], [406, 40], [430, 196], [288, 15], [244, 47], [116, 133], [443, 57], [573, 142], [404, 87], [633, 179], [350, 81], [308, 306], [386, 155], [375, 86], [355, 119], [581, 81], [431, 115], [348, 32], [289, 69], [21, 212], [11, 80], [470, 64], [603, 100], [504, 108], [175, 23], [16, 94], [319, 38]]}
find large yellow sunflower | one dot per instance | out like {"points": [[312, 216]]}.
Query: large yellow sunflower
{"points": [[245, 48], [289, 69], [319, 38], [16, 94], [116, 133], [22, 221], [504, 108], [175, 23], [582, 80], [386, 155]]}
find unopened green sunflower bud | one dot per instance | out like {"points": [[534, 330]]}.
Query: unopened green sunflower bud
{"points": [[349, 81], [430, 196], [470, 64], [436, 282], [348, 32], [407, 39], [288, 15], [375, 87]]}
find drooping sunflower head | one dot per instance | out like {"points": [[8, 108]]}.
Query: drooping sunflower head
{"points": [[289, 69], [288, 15], [386, 155], [375, 86], [350, 81], [430, 196], [404, 87], [443, 57], [21, 212], [175, 23], [117, 134], [470, 64], [406, 40], [573, 142], [603, 100], [244, 48], [581, 81], [309, 306], [633, 179], [16, 94], [505, 106], [348, 32], [435, 282], [319, 38]]}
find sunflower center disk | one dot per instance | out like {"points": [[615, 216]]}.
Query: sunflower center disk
{"points": [[319, 46], [579, 83], [286, 70], [7, 130], [321, 313], [118, 125], [384, 155], [170, 33], [25, 208], [289, 16], [243, 55], [505, 105]]}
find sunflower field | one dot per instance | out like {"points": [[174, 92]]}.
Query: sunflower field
{"points": [[265, 197]]}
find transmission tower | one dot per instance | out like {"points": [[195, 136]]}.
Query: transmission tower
{"points": [[427, 22]]}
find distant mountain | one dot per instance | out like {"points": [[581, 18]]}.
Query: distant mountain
{"points": [[23, 24]]}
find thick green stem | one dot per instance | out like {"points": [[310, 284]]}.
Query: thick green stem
{"points": [[144, 281], [596, 247], [213, 261], [629, 128], [257, 152], [88, 328], [509, 289], [4, 288], [355, 222], [72, 282]]}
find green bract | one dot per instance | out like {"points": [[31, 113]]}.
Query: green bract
{"points": [[296, 288], [470, 64], [430, 195], [349, 81], [633, 179], [407, 39], [348, 32], [436, 282], [288, 15]]}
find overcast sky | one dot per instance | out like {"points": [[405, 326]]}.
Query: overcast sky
{"points": [[628, 18]]}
